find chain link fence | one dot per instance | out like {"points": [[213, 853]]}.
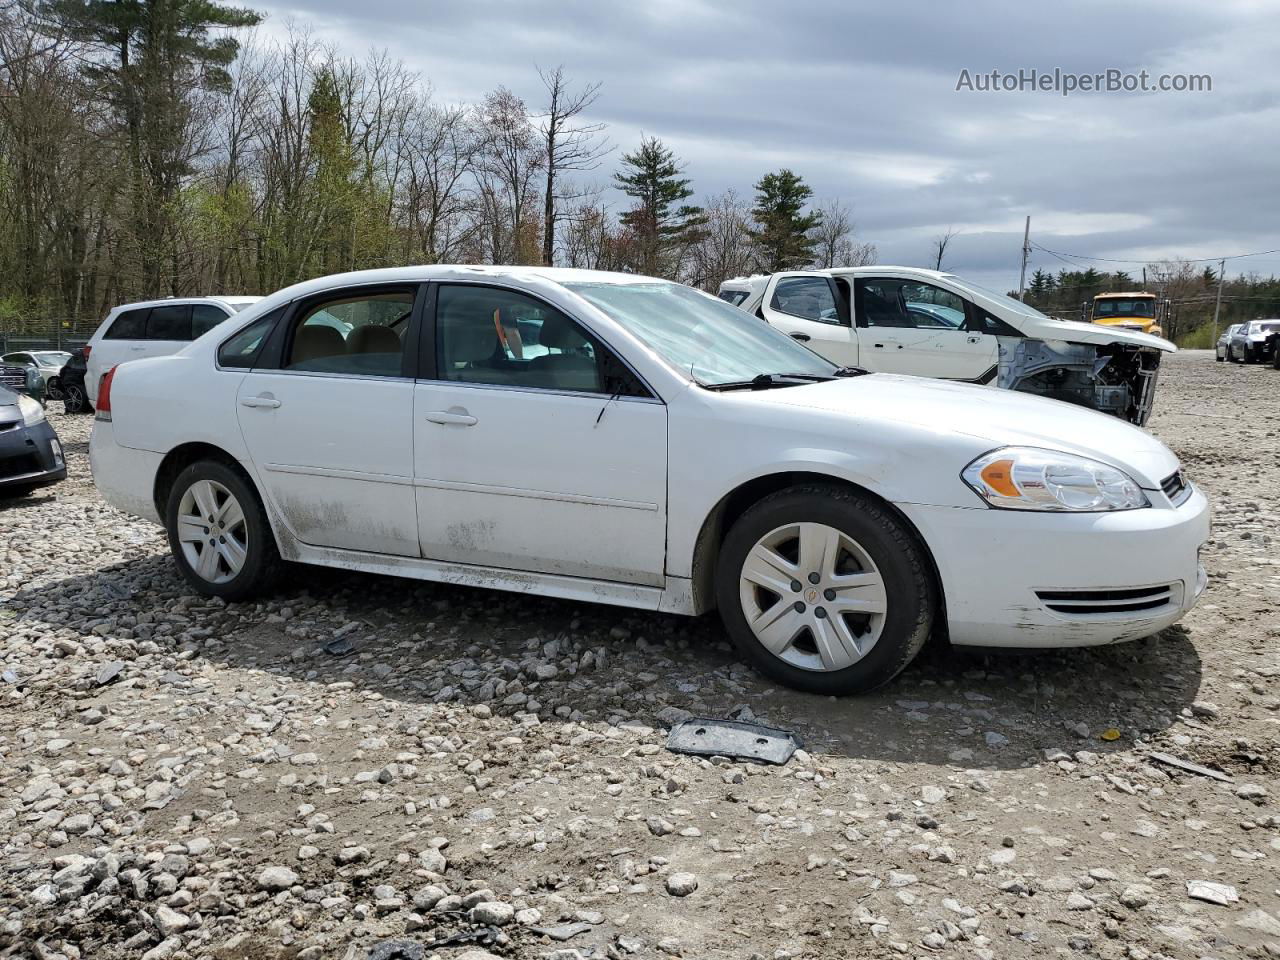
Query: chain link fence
{"points": [[56, 334]]}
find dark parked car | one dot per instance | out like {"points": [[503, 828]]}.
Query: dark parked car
{"points": [[22, 378], [30, 454], [71, 381]]}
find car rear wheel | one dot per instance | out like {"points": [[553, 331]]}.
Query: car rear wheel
{"points": [[53, 389], [219, 533], [75, 401], [825, 590]]}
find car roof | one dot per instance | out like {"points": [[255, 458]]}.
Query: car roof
{"points": [[1135, 293], [880, 268], [164, 301]]}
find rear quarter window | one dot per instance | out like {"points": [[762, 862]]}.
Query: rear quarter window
{"points": [[130, 325], [241, 351]]}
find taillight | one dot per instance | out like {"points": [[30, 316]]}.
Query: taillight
{"points": [[103, 411], [86, 350]]}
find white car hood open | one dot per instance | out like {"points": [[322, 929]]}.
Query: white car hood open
{"points": [[997, 417], [1073, 332]]}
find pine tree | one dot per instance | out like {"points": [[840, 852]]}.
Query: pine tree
{"points": [[662, 223], [783, 230], [153, 54]]}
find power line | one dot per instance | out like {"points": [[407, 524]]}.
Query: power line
{"points": [[1080, 256]]}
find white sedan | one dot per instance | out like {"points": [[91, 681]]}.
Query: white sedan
{"points": [[619, 439]]}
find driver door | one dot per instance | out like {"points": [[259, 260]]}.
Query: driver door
{"points": [[810, 308]]}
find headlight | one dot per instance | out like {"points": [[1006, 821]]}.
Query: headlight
{"points": [[1026, 478], [32, 412]]}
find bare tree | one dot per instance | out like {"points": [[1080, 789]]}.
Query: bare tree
{"points": [[834, 241], [940, 245], [508, 164], [568, 144], [724, 248]]}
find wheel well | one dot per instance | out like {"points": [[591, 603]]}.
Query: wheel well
{"points": [[179, 458], [706, 551]]}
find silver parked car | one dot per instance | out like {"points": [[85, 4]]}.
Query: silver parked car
{"points": [[1224, 341], [1253, 342]]}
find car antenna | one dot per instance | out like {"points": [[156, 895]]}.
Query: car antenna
{"points": [[612, 397]]}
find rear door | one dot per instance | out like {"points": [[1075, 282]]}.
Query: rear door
{"points": [[921, 329], [122, 332], [811, 308], [327, 416]]}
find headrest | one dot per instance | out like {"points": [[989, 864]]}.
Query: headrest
{"points": [[311, 343], [560, 332], [469, 335], [373, 338]]}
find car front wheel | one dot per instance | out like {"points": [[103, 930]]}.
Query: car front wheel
{"points": [[825, 590], [219, 533]]}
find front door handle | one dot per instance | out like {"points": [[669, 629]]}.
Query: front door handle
{"points": [[975, 339], [263, 401], [878, 346], [457, 417], [802, 337]]}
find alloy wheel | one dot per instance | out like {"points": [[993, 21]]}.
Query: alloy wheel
{"points": [[813, 596], [212, 531]]}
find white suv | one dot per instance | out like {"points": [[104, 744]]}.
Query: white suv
{"points": [[931, 324], [153, 328]]}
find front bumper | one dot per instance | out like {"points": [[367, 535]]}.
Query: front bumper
{"points": [[30, 456], [1022, 579]]}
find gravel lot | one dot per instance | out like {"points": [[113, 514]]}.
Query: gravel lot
{"points": [[486, 775]]}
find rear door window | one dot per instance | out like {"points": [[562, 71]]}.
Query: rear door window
{"points": [[809, 298], [169, 322]]}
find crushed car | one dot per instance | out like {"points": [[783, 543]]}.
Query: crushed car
{"points": [[610, 438], [928, 323]]}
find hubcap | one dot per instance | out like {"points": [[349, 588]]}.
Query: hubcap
{"points": [[813, 596], [212, 531]]}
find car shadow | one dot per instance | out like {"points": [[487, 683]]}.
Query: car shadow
{"points": [[420, 642]]}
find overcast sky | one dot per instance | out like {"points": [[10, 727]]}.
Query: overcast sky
{"points": [[860, 99]]}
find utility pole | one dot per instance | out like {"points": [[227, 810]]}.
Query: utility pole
{"points": [[1026, 252], [1217, 306]]}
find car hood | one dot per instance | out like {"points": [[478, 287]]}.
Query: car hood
{"points": [[1095, 333], [993, 416]]}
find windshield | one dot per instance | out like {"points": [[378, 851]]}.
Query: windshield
{"points": [[51, 358], [1137, 307], [701, 336], [1004, 300]]}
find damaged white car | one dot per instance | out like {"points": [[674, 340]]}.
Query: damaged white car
{"points": [[616, 439], [931, 324]]}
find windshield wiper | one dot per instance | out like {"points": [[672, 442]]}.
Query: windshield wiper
{"points": [[852, 372], [767, 381]]}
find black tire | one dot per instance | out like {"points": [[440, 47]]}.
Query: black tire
{"points": [[894, 548], [262, 566], [1231, 354], [1218, 356], [75, 400], [53, 389], [1275, 357]]}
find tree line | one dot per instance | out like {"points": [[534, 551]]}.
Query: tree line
{"points": [[158, 147], [1191, 289]]}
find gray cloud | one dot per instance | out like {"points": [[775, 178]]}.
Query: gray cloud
{"points": [[860, 99]]}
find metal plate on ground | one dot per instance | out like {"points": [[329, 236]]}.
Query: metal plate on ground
{"points": [[732, 738]]}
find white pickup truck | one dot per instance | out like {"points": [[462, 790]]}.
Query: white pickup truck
{"points": [[932, 324]]}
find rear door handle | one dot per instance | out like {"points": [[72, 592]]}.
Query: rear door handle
{"points": [[975, 339], [456, 417], [269, 402], [803, 337]]}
